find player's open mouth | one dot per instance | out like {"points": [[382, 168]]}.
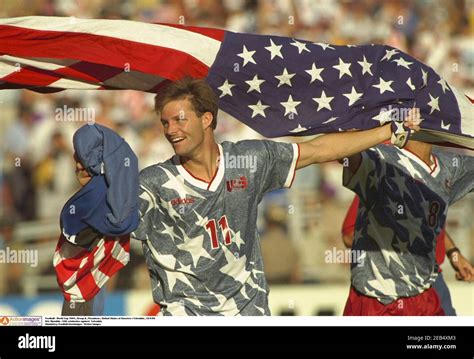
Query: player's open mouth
{"points": [[176, 140]]}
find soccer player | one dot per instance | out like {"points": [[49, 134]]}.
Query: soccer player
{"points": [[199, 208], [404, 197], [444, 247]]}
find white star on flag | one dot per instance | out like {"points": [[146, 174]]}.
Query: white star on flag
{"points": [[384, 116], [388, 54], [353, 96], [444, 85], [226, 88], [434, 104], [275, 50], [300, 45], [298, 129], [247, 56], [424, 75], [254, 84], [324, 46], [290, 105], [258, 109], [323, 101], [343, 68], [445, 127], [315, 73], [366, 66], [285, 78], [401, 62], [384, 85]]}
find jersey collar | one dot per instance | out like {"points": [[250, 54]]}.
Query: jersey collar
{"points": [[433, 170], [197, 182]]}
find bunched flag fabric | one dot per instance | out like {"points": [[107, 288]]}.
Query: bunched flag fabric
{"points": [[276, 85], [81, 272]]}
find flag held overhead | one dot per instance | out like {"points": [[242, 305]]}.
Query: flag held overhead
{"points": [[276, 85]]}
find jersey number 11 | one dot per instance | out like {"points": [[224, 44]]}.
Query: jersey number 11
{"points": [[211, 227]]}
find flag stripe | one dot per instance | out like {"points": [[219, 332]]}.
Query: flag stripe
{"points": [[81, 273]]}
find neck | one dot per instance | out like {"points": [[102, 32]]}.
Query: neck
{"points": [[204, 163], [421, 149]]}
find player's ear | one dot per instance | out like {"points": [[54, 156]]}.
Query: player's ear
{"points": [[207, 120]]}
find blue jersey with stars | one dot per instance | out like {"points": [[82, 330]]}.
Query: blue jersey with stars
{"points": [[200, 239], [403, 207]]}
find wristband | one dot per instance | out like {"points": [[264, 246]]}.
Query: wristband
{"points": [[451, 251], [400, 134]]}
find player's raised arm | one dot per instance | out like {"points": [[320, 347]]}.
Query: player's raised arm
{"points": [[334, 146]]}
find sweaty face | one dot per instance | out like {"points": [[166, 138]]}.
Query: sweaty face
{"points": [[182, 127]]}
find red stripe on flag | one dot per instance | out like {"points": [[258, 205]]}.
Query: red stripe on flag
{"points": [[35, 77], [84, 280], [165, 62], [88, 286]]}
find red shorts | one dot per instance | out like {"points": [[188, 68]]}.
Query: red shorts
{"points": [[426, 303]]}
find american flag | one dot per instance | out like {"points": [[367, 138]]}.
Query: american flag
{"points": [[276, 85], [81, 272]]}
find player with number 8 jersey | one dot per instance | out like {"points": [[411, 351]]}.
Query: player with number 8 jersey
{"points": [[404, 199]]}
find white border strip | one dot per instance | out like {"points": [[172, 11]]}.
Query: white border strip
{"points": [[113, 321]]}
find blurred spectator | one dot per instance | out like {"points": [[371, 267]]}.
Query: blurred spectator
{"points": [[280, 256], [18, 167], [53, 179]]}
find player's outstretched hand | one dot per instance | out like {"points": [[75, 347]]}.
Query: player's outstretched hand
{"points": [[464, 269], [413, 119]]}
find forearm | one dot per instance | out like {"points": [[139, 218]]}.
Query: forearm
{"points": [[448, 242], [334, 146], [339, 145]]}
